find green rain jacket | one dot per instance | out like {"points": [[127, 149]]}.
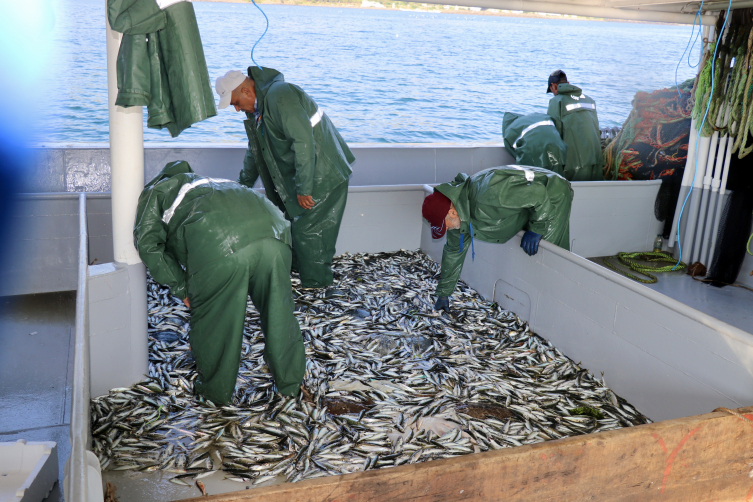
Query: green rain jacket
{"points": [[293, 146], [185, 221], [499, 202], [534, 141], [161, 63], [574, 115]]}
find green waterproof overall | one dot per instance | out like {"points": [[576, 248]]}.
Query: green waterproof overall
{"points": [[216, 242], [498, 203], [161, 63], [534, 141], [574, 115], [296, 150]]}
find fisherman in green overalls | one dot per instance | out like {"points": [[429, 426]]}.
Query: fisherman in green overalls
{"points": [[574, 116], [493, 205], [303, 162], [534, 141], [214, 242]]}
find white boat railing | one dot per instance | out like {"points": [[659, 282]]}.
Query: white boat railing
{"points": [[83, 477]]}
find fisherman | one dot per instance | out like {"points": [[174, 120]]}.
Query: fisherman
{"points": [[213, 242], [534, 141], [574, 116], [303, 162], [493, 205]]}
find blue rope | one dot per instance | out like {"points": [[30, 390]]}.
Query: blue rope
{"points": [[262, 35], [700, 130], [700, 28]]}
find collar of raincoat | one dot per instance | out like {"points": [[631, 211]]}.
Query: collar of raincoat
{"points": [[170, 170], [263, 79], [458, 191], [568, 89]]}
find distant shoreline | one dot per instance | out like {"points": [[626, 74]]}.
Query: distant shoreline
{"points": [[438, 10]]}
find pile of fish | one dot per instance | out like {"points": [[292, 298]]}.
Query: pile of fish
{"points": [[392, 382]]}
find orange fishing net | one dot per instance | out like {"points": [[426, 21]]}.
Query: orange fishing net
{"points": [[654, 138]]}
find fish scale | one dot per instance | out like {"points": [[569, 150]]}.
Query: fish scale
{"points": [[382, 347]]}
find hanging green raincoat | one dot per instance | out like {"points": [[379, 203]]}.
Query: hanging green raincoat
{"points": [[499, 202], [534, 141], [574, 115], [296, 150], [216, 242], [161, 63]]}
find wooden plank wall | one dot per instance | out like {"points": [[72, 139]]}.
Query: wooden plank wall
{"points": [[705, 458]]}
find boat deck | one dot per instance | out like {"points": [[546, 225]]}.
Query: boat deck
{"points": [[728, 304], [36, 360]]}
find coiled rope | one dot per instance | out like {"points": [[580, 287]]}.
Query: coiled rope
{"points": [[628, 260]]}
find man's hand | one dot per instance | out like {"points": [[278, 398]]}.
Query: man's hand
{"points": [[443, 303], [187, 302], [306, 201], [530, 242]]}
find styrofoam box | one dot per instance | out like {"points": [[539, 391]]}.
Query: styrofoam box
{"points": [[28, 470]]}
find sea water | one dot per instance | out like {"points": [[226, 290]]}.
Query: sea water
{"points": [[383, 76]]}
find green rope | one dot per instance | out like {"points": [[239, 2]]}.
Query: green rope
{"points": [[626, 259], [748, 245]]}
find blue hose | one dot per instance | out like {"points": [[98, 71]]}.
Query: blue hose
{"points": [[700, 130], [700, 28], [262, 35]]}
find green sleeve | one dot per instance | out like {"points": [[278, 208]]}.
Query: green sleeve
{"points": [[135, 17], [542, 213], [452, 262], [150, 237], [249, 173], [297, 128], [554, 112]]}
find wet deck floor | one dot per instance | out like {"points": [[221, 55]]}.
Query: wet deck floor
{"points": [[728, 304], [36, 362]]}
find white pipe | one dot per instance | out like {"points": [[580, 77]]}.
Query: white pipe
{"points": [[720, 200], [126, 159], [706, 185], [687, 176], [714, 196], [582, 10], [694, 201]]}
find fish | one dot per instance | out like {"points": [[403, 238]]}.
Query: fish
{"points": [[392, 382]]}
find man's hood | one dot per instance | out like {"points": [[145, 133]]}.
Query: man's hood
{"points": [[263, 78], [170, 170], [508, 119], [568, 89], [457, 192]]}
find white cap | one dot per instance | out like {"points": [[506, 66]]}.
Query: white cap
{"points": [[226, 84]]}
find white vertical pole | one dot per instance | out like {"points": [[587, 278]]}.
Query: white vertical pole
{"points": [[126, 159], [127, 182]]}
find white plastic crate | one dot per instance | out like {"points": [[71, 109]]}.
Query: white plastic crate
{"points": [[28, 470]]}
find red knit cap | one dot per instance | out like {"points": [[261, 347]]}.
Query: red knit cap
{"points": [[435, 209]]}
